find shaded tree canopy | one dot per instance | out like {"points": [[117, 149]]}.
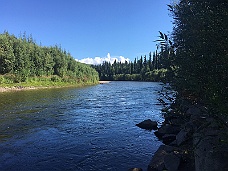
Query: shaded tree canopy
{"points": [[200, 37]]}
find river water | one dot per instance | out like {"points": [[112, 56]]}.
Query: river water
{"points": [[79, 129]]}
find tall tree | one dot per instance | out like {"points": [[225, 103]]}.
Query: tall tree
{"points": [[201, 40], [7, 58]]}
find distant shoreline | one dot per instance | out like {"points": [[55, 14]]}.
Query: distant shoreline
{"points": [[17, 88], [22, 88], [104, 82]]}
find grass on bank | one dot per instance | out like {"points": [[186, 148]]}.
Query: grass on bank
{"points": [[10, 80]]}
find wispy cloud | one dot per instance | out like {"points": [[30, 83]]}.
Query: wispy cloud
{"points": [[100, 60]]}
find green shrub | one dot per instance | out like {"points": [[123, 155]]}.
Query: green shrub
{"points": [[55, 78], [2, 79], [9, 78]]}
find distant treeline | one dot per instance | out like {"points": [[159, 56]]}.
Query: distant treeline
{"points": [[153, 68], [21, 58]]}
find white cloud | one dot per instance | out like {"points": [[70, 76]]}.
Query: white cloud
{"points": [[100, 60]]}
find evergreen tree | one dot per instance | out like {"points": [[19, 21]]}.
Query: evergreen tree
{"points": [[7, 58], [139, 70]]}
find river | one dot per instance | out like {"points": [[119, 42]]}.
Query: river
{"points": [[79, 129]]}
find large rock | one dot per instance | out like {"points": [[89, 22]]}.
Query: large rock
{"points": [[211, 153], [181, 137], [157, 162], [173, 119], [168, 138], [167, 129], [163, 159], [148, 124], [193, 110], [175, 122], [171, 162]]}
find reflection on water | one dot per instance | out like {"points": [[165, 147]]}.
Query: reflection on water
{"points": [[91, 128]]}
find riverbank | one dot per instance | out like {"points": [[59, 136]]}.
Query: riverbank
{"points": [[25, 86], [21, 87], [104, 82], [15, 88], [193, 139]]}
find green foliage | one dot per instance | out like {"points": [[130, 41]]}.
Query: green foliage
{"points": [[8, 79], [201, 41], [22, 59], [141, 69], [7, 58], [156, 75], [55, 78]]}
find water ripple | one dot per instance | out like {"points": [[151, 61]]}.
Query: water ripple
{"points": [[91, 128]]}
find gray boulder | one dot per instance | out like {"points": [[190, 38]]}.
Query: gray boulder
{"points": [[181, 137], [164, 159], [168, 138], [167, 129], [211, 153], [171, 162], [193, 110], [157, 162], [148, 124]]}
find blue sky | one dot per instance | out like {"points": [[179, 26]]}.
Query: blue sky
{"points": [[89, 28]]}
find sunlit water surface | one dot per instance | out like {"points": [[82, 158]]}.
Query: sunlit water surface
{"points": [[80, 129]]}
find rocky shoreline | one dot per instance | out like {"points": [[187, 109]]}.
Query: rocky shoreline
{"points": [[192, 139]]}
